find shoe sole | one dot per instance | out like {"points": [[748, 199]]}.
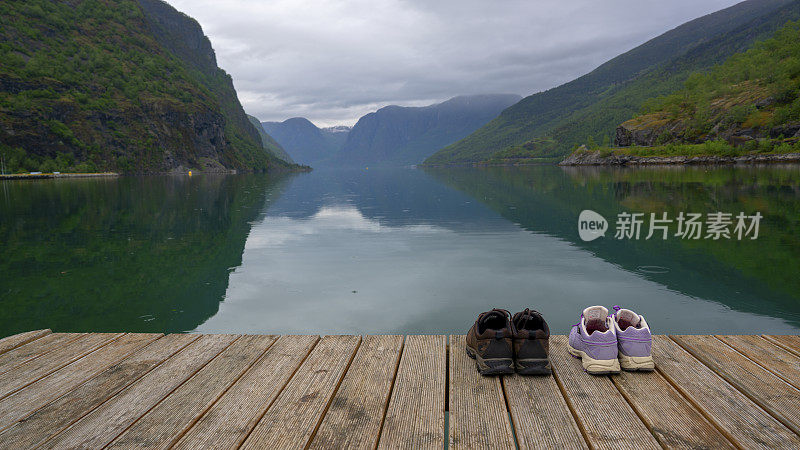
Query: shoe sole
{"points": [[595, 366], [637, 363], [533, 366], [492, 366]]}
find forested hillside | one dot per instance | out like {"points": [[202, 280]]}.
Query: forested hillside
{"points": [[120, 85], [550, 124]]}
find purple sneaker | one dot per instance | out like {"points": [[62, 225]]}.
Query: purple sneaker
{"points": [[594, 341], [633, 335]]}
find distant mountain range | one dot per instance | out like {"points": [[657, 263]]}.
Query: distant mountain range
{"points": [[304, 141], [550, 124], [397, 135], [269, 143], [121, 85], [392, 136]]}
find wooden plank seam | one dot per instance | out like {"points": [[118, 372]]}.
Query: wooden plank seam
{"points": [[691, 401], [189, 425], [31, 336], [391, 390], [333, 394], [764, 366], [750, 396], [446, 422], [172, 390], [246, 435], [781, 344], [98, 405], [581, 426], [56, 368], [50, 348], [508, 412]]}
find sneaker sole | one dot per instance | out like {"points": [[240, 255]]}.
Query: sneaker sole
{"points": [[595, 366], [636, 363], [492, 366], [533, 366]]}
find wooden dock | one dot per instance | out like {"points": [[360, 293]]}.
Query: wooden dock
{"points": [[125, 390]]}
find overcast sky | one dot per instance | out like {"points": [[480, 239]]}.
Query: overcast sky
{"points": [[334, 61]]}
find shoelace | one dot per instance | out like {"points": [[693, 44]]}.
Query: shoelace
{"points": [[527, 314], [506, 313]]}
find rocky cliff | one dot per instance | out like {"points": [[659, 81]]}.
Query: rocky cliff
{"points": [[660, 128], [120, 85]]}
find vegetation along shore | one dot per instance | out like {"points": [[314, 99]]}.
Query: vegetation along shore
{"points": [[746, 110]]}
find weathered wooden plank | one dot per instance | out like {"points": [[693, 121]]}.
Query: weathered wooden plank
{"points": [[39, 347], [69, 408], [38, 394], [14, 341], [674, 421], [236, 413], [37, 368], [540, 414], [769, 391], [741, 420], [770, 356], [415, 417], [356, 412], [601, 411], [105, 423], [478, 414], [789, 342], [166, 422], [307, 396]]}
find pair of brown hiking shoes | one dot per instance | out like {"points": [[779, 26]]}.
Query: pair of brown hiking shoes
{"points": [[502, 344]]}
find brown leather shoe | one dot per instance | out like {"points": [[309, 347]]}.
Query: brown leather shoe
{"points": [[489, 342], [531, 343]]}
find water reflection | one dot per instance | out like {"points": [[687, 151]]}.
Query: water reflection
{"points": [[759, 277], [127, 254], [397, 251], [391, 251]]}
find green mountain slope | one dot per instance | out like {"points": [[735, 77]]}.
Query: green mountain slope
{"points": [[592, 105], [121, 85], [269, 143], [753, 96]]}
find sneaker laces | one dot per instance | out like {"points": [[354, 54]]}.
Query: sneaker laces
{"points": [[503, 312], [527, 315]]}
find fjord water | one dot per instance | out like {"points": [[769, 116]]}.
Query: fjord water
{"points": [[392, 250]]}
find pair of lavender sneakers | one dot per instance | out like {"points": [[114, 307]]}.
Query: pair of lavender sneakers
{"points": [[604, 342]]}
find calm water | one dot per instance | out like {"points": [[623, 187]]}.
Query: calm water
{"points": [[391, 251]]}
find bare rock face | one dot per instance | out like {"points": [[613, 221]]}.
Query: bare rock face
{"points": [[647, 131], [656, 129]]}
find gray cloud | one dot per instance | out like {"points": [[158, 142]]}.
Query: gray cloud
{"points": [[333, 61]]}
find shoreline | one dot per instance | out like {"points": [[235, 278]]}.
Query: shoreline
{"points": [[39, 176], [595, 159]]}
